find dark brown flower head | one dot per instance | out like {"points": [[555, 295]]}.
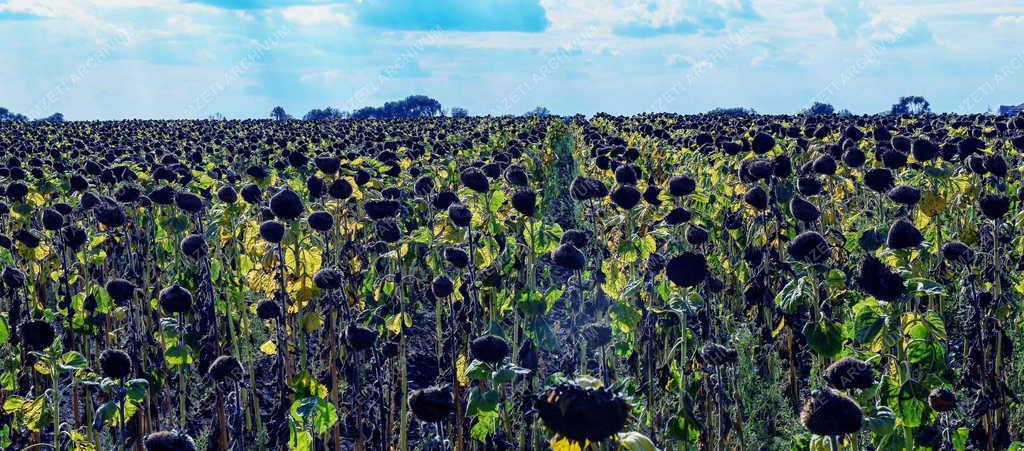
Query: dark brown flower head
{"points": [[489, 348], [359, 337], [120, 290], [847, 373], [830, 414], [903, 235], [432, 405], [194, 246], [36, 335], [687, 269], [569, 257], [876, 279], [272, 231], [715, 355], [168, 441], [582, 414], [286, 204], [942, 399], [175, 299], [321, 221], [268, 309], [809, 247], [115, 364]]}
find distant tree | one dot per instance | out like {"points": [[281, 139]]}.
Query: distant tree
{"points": [[733, 111], [216, 117], [539, 111], [367, 112], [409, 107], [325, 114], [844, 112], [279, 114], [911, 105], [7, 115], [819, 109], [55, 117], [458, 111]]}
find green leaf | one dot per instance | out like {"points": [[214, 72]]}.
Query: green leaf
{"points": [[551, 298], [794, 294], [624, 317], [824, 337], [542, 335], [72, 360], [306, 386], [925, 287], [894, 441], [35, 413], [867, 322], [911, 403], [820, 443], [477, 371], [14, 403], [179, 354], [683, 427], [103, 300], [482, 402], [935, 325], [483, 426], [315, 411], [497, 198], [105, 414], [542, 238], [880, 420], [959, 439], [299, 440], [326, 416], [304, 409], [689, 305], [928, 353], [5, 331], [136, 389], [507, 373], [836, 278]]}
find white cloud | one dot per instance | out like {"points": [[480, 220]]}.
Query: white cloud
{"points": [[847, 16], [702, 66], [316, 15], [899, 31], [678, 61], [1009, 21], [185, 25], [324, 76]]}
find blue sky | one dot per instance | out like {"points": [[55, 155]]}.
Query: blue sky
{"points": [[110, 59]]}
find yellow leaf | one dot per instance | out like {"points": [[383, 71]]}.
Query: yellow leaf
{"points": [[778, 329], [635, 441], [460, 370], [932, 204], [269, 348], [312, 321], [559, 443], [589, 382], [36, 199], [394, 323]]}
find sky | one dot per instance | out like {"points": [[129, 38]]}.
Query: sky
{"points": [[114, 59]]}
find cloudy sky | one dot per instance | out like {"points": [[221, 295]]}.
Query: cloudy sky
{"points": [[107, 59]]}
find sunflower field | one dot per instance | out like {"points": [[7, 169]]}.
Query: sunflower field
{"points": [[659, 281]]}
